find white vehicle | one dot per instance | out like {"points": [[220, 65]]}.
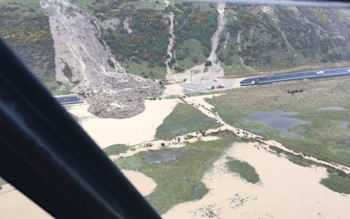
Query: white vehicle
{"points": [[252, 83], [348, 70], [320, 73], [211, 88]]}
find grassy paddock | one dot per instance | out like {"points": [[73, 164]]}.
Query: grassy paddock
{"points": [[297, 159], [337, 181], [116, 149], [178, 180], [184, 119], [244, 169], [321, 136]]}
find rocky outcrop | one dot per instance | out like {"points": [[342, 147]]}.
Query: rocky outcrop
{"points": [[211, 69], [100, 80], [118, 96], [74, 42]]}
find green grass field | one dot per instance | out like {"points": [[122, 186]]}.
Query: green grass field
{"points": [[2, 182], [178, 180], [190, 54], [116, 149], [244, 169], [144, 70], [337, 182], [184, 119], [321, 136], [297, 159]]}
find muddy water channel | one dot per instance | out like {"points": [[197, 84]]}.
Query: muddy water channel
{"points": [[277, 120]]}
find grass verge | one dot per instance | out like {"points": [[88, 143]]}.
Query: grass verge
{"points": [[244, 169], [297, 159], [178, 180], [184, 119]]}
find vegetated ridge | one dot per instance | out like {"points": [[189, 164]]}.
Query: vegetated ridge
{"points": [[95, 47]]}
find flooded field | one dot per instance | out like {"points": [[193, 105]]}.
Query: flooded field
{"points": [[255, 130], [277, 120], [286, 190]]}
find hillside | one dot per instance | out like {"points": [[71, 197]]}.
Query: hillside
{"points": [[86, 46], [26, 29], [254, 38], [272, 38]]}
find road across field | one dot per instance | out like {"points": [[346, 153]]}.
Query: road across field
{"points": [[69, 99], [296, 76]]}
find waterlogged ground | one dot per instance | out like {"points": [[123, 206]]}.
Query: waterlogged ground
{"points": [[196, 164], [267, 198], [286, 190], [277, 120], [324, 106]]}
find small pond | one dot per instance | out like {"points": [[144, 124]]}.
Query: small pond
{"points": [[277, 120], [343, 125], [344, 143]]}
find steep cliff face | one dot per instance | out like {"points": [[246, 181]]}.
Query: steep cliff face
{"points": [[82, 59], [26, 29], [272, 38], [250, 38], [91, 45], [210, 67], [78, 54], [152, 38]]}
